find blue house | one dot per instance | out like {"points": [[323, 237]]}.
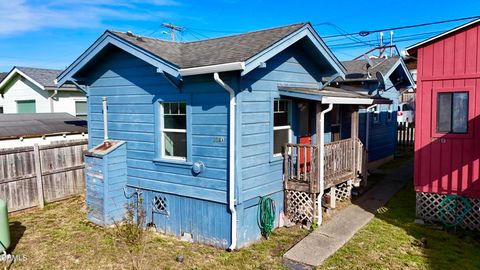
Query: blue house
{"points": [[361, 77], [201, 130]]}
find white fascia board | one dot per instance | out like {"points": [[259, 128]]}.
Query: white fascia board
{"points": [[212, 69], [286, 42], [19, 72], [343, 100], [109, 38], [405, 69]]}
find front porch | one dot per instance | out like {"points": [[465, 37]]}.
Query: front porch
{"points": [[333, 145]]}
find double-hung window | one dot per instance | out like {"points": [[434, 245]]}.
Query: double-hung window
{"points": [[281, 125], [174, 130], [81, 109], [452, 112]]}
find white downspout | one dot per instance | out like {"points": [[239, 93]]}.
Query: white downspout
{"points": [[231, 159], [105, 119], [55, 92], [322, 163], [367, 132]]}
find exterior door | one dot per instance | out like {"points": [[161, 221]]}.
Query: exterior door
{"points": [[305, 135], [335, 125]]}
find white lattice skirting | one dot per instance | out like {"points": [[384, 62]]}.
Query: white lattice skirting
{"points": [[428, 209], [343, 192], [300, 206]]}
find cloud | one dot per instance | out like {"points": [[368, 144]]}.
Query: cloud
{"points": [[18, 16]]}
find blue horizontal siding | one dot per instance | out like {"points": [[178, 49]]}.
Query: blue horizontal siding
{"points": [[259, 175], [207, 222], [132, 88]]}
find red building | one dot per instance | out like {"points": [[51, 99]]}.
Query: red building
{"points": [[447, 136]]}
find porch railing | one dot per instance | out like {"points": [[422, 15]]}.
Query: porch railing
{"points": [[344, 160], [301, 167]]}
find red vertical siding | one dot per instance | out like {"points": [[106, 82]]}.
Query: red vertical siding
{"points": [[448, 164]]}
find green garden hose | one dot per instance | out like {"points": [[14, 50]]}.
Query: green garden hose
{"points": [[266, 215], [454, 206]]}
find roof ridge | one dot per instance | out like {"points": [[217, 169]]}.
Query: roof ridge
{"points": [[249, 32], [51, 69], [207, 39]]}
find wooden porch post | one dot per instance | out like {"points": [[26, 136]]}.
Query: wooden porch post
{"points": [[354, 124]]}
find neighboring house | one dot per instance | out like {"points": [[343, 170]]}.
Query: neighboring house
{"points": [[382, 126], [201, 130], [33, 90], [447, 148], [409, 95], [2, 76], [39, 128]]}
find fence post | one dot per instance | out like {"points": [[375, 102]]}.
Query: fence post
{"points": [[38, 173]]}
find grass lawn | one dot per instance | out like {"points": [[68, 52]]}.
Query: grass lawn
{"points": [[59, 237], [392, 241]]}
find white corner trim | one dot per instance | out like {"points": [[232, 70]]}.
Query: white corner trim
{"points": [[19, 72], [212, 69]]}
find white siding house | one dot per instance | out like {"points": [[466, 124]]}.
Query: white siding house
{"points": [[33, 90]]}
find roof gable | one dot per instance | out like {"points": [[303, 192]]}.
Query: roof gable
{"points": [[413, 48], [40, 77], [242, 52], [357, 70]]}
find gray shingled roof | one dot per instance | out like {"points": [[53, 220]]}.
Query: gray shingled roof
{"points": [[45, 77], [39, 124], [343, 91], [3, 75], [235, 48], [357, 69]]}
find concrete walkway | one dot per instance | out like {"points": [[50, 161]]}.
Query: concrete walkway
{"points": [[315, 248]]}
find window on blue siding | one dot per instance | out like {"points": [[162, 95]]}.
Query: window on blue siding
{"points": [[281, 125], [174, 132], [390, 113], [376, 114], [452, 112]]}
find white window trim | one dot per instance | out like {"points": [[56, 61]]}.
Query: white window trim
{"points": [[163, 130], [82, 114], [286, 127]]}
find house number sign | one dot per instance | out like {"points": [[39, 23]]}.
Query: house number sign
{"points": [[219, 139]]}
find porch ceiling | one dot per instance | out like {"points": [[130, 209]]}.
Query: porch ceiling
{"points": [[326, 95]]}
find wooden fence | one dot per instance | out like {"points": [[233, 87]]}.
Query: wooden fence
{"points": [[405, 134], [33, 175]]}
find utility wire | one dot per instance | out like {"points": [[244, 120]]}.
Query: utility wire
{"points": [[366, 33], [397, 38]]}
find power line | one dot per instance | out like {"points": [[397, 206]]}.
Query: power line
{"points": [[366, 33], [215, 31], [397, 38], [198, 33]]}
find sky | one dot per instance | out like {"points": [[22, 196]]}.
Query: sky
{"points": [[53, 33]]}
